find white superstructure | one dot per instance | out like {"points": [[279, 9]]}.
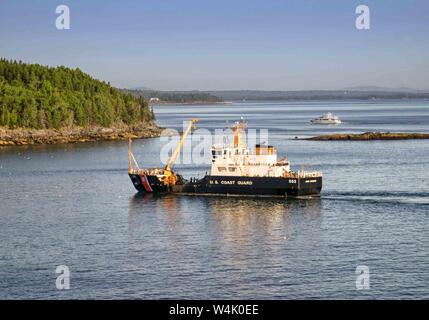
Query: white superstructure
{"points": [[237, 159], [327, 118]]}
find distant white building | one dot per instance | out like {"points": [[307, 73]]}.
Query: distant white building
{"points": [[154, 99]]}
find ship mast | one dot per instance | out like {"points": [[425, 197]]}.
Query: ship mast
{"points": [[238, 130]]}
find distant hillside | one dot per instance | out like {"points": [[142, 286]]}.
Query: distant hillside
{"points": [[384, 89], [176, 96], [216, 96], [40, 97], [238, 95]]}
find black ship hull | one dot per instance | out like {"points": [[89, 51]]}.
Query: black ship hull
{"points": [[230, 185]]}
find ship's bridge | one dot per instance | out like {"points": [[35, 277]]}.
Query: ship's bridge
{"points": [[261, 161], [259, 155], [237, 159]]}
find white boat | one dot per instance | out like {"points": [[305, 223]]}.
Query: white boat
{"points": [[327, 118]]}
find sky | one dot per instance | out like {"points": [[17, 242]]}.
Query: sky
{"points": [[225, 45]]}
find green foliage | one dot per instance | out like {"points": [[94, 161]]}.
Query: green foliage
{"points": [[35, 96], [177, 96]]}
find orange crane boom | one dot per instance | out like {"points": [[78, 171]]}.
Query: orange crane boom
{"points": [[170, 176]]}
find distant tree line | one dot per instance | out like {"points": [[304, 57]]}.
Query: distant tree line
{"points": [[255, 95], [261, 95], [35, 96], [176, 96]]}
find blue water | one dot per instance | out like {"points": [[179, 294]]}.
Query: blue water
{"points": [[74, 205]]}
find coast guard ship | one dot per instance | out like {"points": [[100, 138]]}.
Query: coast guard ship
{"points": [[235, 170]]}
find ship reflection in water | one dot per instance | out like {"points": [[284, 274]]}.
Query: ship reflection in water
{"points": [[221, 241], [227, 215]]}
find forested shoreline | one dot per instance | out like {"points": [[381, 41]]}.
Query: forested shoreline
{"points": [[179, 97], [58, 99]]}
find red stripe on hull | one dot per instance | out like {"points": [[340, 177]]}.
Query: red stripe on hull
{"points": [[145, 183]]}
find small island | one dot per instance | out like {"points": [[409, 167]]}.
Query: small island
{"points": [[47, 105], [370, 136]]}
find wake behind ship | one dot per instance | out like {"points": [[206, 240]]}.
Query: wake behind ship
{"points": [[235, 170]]}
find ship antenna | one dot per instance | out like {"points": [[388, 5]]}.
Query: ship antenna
{"points": [[226, 124], [225, 137]]}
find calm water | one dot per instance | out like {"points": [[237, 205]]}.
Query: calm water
{"points": [[74, 205]]}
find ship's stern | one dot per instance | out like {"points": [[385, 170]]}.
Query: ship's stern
{"points": [[309, 186]]}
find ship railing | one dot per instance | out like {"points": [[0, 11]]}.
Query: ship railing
{"points": [[151, 172], [302, 174]]}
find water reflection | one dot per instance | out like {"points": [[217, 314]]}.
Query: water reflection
{"points": [[231, 219], [257, 227], [230, 237], [164, 207]]}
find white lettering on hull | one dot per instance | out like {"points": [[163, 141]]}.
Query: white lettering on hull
{"points": [[245, 183], [232, 182]]}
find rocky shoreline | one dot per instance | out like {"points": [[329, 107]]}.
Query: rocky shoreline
{"points": [[370, 136], [16, 137]]}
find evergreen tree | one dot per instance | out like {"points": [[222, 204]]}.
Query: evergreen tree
{"points": [[35, 96]]}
